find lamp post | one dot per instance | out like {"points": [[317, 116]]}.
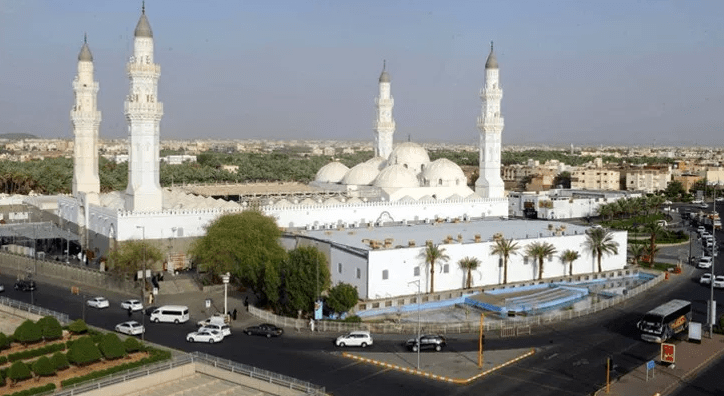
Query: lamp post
{"points": [[143, 287], [418, 320], [712, 302], [225, 279]]}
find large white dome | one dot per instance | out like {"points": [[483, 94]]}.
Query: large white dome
{"points": [[361, 175], [377, 162], [333, 172], [443, 173], [396, 176], [410, 155]]}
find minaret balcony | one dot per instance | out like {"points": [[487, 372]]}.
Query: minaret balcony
{"points": [[79, 86], [144, 69], [76, 115], [385, 102], [384, 125], [142, 108], [496, 123]]}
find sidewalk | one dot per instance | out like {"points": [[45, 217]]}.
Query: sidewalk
{"points": [[690, 359]]}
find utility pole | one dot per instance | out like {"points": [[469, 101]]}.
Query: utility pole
{"points": [[418, 321], [481, 342], [712, 302]]}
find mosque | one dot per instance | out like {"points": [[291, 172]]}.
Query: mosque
{"points": [[382, 213]]}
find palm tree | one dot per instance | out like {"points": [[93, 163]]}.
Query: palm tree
{"points": [[433, 254], [504, 248], [569, 256], [599, 241], [469, 264], [540, 251], [654, 229], [636, 250]]}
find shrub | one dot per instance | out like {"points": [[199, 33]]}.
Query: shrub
{"points": [[132, 345], [28, 332], [112, 347], [50, 328], [19, 371], [4, 341], [34, 391], [78, 327], [342, 297], [31, 353], [2, 379], [96, 336], [60, 361], [83, 351], [3, 360], [155, 356], [353, 319], [43, 367]]}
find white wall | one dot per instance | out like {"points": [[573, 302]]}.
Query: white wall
{"points": [[350, 263]]}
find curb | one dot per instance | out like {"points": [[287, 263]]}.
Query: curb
{"points": [[459, 381]]}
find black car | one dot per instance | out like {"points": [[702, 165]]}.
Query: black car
{"points": [[436, 342], [25, 285], [264, 329]]}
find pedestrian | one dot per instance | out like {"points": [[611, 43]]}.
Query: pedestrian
{"points": [[311, 324], [246, 303], [130, 312], [233, 314]]}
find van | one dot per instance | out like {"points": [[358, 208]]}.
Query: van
{"points": [[171, 314]]}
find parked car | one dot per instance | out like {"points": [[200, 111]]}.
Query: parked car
{"points": [[701, 230], [436, 342], [704, 262], [25, 285], [223, 328], [705, 279], [215, 318], [98, 302], [355, 338], [210, 336], [667, 202], [719, 282], [133, 305], [131, 328], [264, 329], [2, 288], [697, 202]]}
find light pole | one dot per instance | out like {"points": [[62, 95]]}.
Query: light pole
{"points": [[225, 279], [712, 302], [143, 287], [418, 320]]}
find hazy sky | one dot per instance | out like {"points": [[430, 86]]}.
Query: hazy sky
{"points": [[610, 72]]}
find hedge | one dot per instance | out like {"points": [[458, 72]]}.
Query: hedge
{"points": [[31, 353], [132, 344], [78, 326], [50, 328], [19, 371], [43, 367], [112, 347], [34, 391], [60, 361], [156, 355], [83, 352], [3, 359], [4, 342], [2, 379], [28, 332]]}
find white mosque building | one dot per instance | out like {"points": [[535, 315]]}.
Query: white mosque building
{"points": [[399, 191]]}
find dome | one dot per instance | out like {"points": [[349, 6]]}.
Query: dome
{"points": [[396, 176], [143, 29], [361, 175], [333, 172], [411, 155], [443, 173], [85, 54], [384, 77], [492, 62], [378, 162]]}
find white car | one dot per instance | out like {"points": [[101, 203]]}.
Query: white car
{"points": [[697, 202], [134, 305], [703, 205], [719, 199], [222, 328], [2, 288], [705, 279], [131, 328], [701, 230], [355, 338], [98, 302], [704, 262], [719, 282], [667, 202], [210, 336], [215, 318]]}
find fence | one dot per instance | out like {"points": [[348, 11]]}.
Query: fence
{"points": [[507, 327], [21, 306]]}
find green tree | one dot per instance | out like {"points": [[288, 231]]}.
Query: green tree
{"points": [[674, 190], [83, 351], [129, 257], [60, 361], [468, 265], [540, 251], [432, 255], [569, 256], [111, 347], [600, 242], [654, 229], [342, 297], [245, 244], [504, 248], [19, 371], [43, 367], [562, 179], [28, 332], [50, 328], [305, 275], [637, 250], [78, 326]]}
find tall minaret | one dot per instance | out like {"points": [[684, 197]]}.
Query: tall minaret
{"points": [[143, 112], [490, 123], [85, 119], [384, 124]]}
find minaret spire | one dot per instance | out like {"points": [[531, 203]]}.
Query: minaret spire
{"points": [[490, 124], [143, 7], [384, 127]]}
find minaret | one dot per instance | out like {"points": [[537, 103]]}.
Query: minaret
{"points": [[384, 124], [85, 119], [143, 112], [490, 123]]}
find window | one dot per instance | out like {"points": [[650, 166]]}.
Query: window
{"points": [[339, 268], [446, 268], [550, 259], [359, 273], [180, 232], [525, 259], [385, 274], [416, 271]]}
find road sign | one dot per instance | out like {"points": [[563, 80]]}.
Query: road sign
{"points": [[650, 365], [668, 353]]}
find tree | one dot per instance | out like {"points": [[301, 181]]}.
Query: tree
{"points": [[674, 190], [637, 251], [28, 332], [342, 297], [43, 367], [468, 265], [304, 275], [433, 254], [78, 326], [50, 328], [562, 179], [600, 242], [653, 229], [245, 244], [83, 351], [4, 341], [60, 361], [112, 347], [504, 248], [129, 257], [19, 371], [540, 251], [569, 256]]}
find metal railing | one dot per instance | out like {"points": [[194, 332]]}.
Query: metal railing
{"points": [[33, 309]]}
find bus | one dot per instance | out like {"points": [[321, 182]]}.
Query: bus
{"points": [[665, 321]]}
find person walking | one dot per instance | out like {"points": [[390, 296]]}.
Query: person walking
{"points": [[130, 312], [311, 324], [233, 314]]}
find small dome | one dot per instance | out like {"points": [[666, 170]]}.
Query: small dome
{"points": [[411, 155], [384, 77], [396, 176], [378, 162], [492, 62], [85, 54], [143, 29], [443, 173], [361, 175], [333, 172]]}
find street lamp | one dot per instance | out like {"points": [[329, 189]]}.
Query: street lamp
{"points": [[712, 302], [225, 278], [143, 287], [417, 281]]}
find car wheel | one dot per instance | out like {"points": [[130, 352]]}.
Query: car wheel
{"points": [[211, 340], [188, 339], [268, 335], [156, 320], [192, 339], [175, 321], [248, 333], [364, 345], [341, 344], [438, 348], [414, 348]]}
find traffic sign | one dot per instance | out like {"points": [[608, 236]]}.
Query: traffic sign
{"points": [[668, 353], [650, 365]]}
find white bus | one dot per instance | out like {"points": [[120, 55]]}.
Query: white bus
{"points": [[171, 314], [665, 321]]}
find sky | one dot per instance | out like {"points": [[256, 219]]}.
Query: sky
{"points": [[573, 72]]}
